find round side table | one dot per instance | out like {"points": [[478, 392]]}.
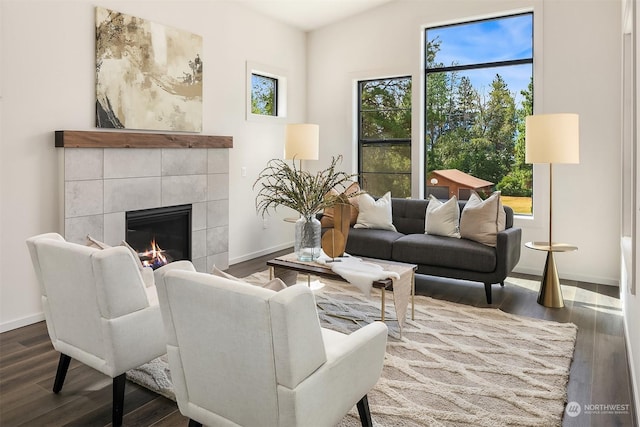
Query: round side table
{"points": [[550, 294]]}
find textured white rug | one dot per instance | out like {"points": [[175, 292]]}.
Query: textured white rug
{"points": [[454, 364]]}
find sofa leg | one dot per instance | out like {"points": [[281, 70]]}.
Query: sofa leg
{"points": [[118, 399], [502, 283], [63, 367], [487, 291], [193, 423], [364, 412]]}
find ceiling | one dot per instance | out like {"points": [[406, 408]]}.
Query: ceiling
{"points": [[309, 15]]}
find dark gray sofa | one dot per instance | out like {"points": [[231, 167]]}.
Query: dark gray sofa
{"points": [[436, 255]]}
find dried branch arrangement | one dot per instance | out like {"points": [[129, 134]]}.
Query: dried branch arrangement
{"points": [[281, 184]]}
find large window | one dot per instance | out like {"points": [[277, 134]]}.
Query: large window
{"points": [[384, 136], [479, 89]]}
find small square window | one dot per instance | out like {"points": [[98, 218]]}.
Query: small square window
{"points": [[264, 95]]}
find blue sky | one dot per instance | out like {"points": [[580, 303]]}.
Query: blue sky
{"points": [[488, 41]]}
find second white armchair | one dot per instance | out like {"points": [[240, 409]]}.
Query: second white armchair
{"points": [[247, 356]]}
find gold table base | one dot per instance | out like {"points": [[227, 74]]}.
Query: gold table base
{"points": [[550, 294]]}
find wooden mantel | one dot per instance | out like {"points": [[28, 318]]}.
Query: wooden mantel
{"points": [[97, 139]]}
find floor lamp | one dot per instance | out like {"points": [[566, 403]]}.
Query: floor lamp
{"points": [[551, 138], [302, 142]]}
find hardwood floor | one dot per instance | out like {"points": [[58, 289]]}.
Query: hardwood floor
{"points": [[599, 372]]}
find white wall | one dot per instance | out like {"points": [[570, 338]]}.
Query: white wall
{"points": [[631, 310], [577, 69], [630, 261], [48, 83]]}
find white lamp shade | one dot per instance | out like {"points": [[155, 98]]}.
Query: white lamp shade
{"points": [[302, 142], [552, 138]]}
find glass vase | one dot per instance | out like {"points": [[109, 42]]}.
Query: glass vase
{"points": [[307, 238]]}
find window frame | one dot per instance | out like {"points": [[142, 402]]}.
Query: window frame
{"points": [[281, 78], [533, 61], [381, 142]]}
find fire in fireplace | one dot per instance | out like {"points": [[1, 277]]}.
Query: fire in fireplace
{"points": [[160, 235]]}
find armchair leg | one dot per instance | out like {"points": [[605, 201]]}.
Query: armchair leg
{"points": [[363, 411], [61, 373], [193, 423], [118, 399], [502, 283], [487, 291]]}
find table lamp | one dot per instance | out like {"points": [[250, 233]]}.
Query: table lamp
{"points": [[302, 142], [551, 138]]}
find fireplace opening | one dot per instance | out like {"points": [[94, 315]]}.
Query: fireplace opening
{"points": [[160, 235]]}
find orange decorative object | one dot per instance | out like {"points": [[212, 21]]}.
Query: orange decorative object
{"points": [[333, 243], [340, 232]]}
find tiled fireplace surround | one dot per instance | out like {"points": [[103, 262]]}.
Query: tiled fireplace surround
{"points": [[101, 184]]}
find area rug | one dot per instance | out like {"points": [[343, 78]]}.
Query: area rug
{"points": [[454, 365]]}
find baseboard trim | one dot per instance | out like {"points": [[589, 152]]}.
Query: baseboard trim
{"points": [[260, 253], [635, 387], [19, 323], [577, 277]]}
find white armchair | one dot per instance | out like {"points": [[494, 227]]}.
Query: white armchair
{"points": [[248, 356], [97, 310]]}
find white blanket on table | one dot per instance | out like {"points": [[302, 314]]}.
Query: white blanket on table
{"points": [[359, 273]]}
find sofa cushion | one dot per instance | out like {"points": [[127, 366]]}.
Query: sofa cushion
{"points": [[372, 243], [444, 252], [481, 220], [442, 218], [409, 214], [375, 214]]}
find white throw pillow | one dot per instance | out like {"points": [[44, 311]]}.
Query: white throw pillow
{"points": [[442, 219], [375, 213], [93, 243], [481, 220], [275, 284], [146, 272]]}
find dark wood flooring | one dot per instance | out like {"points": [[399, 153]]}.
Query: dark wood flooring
{"points": [[599, 372]]}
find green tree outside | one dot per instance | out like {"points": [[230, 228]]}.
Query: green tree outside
{"points": [[385, 136], [476, 130], [264, 95], [477, 133]]}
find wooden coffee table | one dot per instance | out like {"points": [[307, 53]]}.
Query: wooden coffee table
{"points": [[287, 268]]}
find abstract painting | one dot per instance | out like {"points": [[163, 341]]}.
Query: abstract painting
{"points": [[148, 75]]}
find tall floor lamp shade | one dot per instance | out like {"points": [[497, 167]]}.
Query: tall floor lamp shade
{"points": [[552, 138], [302, 142]]}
